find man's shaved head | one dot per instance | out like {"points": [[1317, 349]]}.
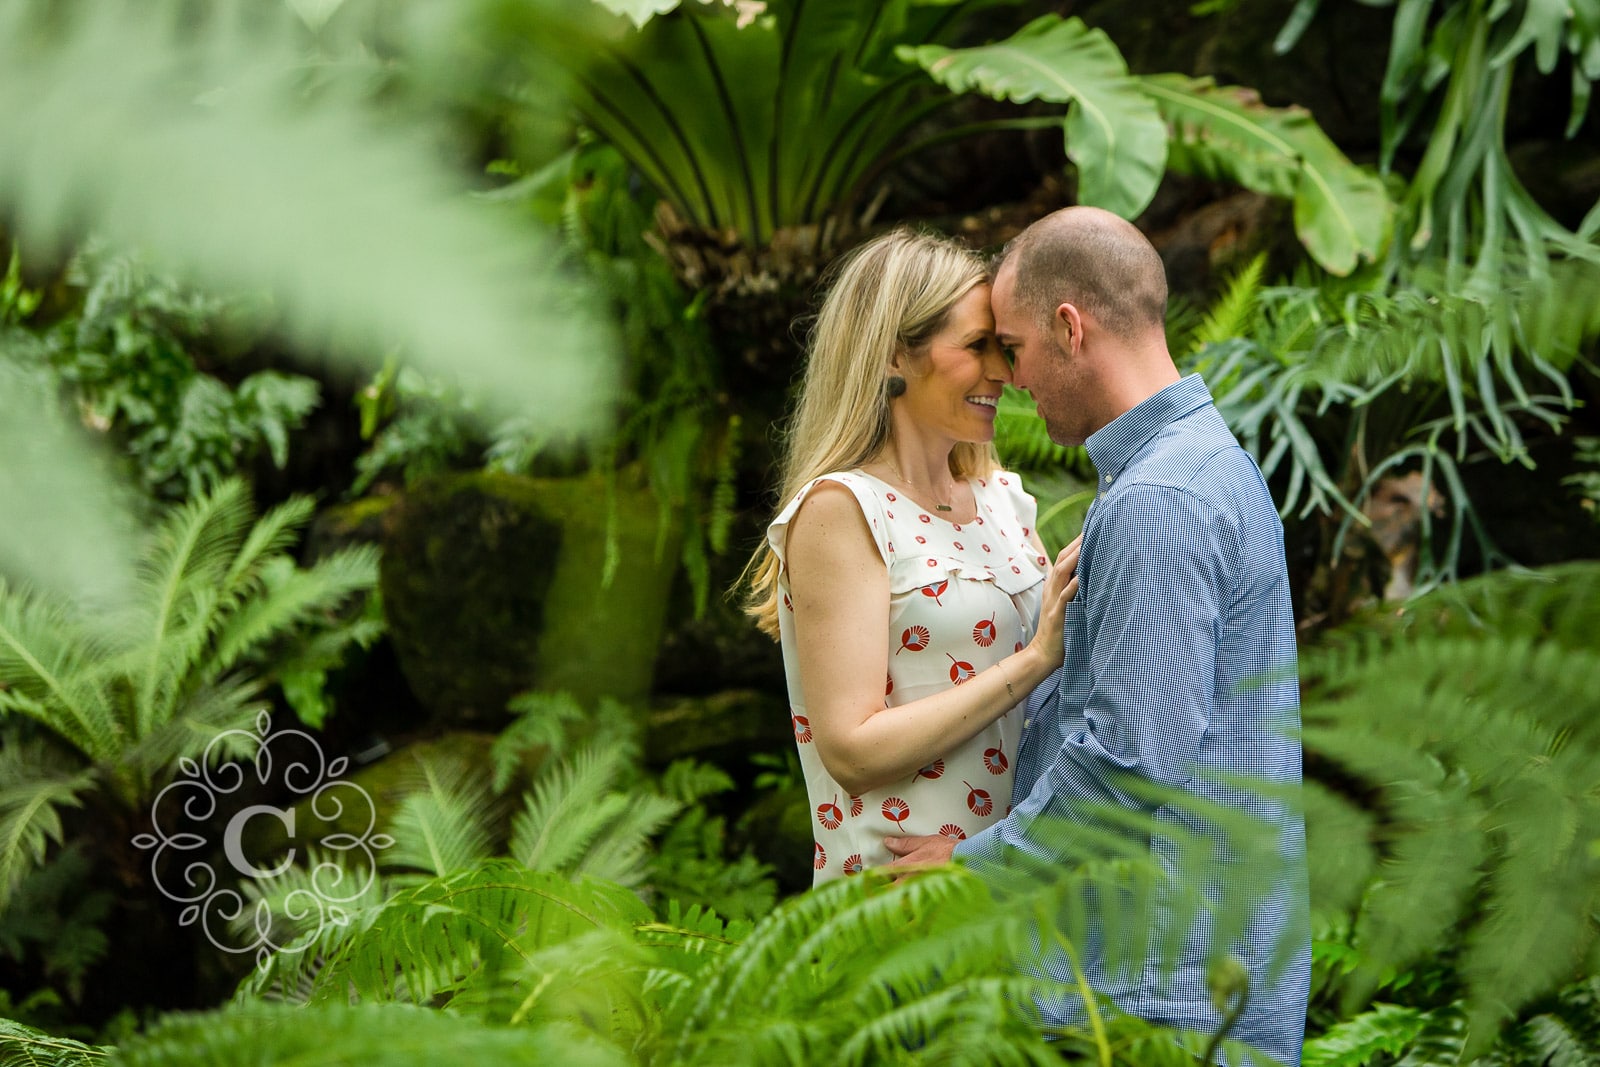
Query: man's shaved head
{"points": [[1095, 260]]}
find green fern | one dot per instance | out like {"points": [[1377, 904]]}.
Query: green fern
{"points": [[37, 780], [374, 1035], [1384, 1028], [445, 821], [1234, 313], [124, 694], [23, 1046], [1475, 724], [426, 941], [1024, 444], [574, 820]]}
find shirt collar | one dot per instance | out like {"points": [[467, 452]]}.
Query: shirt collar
{"points": [[1113, 446]]}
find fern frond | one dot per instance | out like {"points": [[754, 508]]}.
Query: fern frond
{"points": [[180, 576], [445, 821], [1234, 313], [273, 533], [289, 596], [573, 820], [45, 658], [1023, 442], [374, 1035], [1478, 732], [35, 783], [425, 940], [294, 905], [1354, 1042], [23, 1046], [215, 708], [544, 723]]}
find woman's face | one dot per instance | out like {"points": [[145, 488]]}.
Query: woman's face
{"points": [[954, 384]]}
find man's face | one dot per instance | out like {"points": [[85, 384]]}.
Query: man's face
{"points": [[1040, 364]]}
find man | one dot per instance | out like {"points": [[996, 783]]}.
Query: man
{"points": [[1180, 645]]}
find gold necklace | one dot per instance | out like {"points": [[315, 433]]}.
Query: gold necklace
{"points": [[887, 462]]}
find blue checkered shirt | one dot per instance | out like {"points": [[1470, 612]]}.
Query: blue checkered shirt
{"points": [[1179, 670]]}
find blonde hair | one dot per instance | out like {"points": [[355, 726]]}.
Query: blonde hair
{"points": [[889, 295]]}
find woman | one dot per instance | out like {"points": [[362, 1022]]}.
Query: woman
{"points": [[903, 575]]}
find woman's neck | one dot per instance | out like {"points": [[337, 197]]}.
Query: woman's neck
{"points": [[924, 473]]}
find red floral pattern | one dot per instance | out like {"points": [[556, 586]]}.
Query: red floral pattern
{"points": [[963, 603]]}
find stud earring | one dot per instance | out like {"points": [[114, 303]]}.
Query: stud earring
{"points": [[895, 386]]}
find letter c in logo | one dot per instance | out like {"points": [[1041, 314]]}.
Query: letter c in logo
{"points": [[230, 839]]}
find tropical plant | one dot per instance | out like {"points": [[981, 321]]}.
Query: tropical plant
{"points": [[584, 811], [1454, 63], [841, 72], [100, 706], [858, 972], [125, 360], [1124, 132], [1336, 388]]}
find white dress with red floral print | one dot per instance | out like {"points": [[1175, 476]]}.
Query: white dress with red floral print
{"points": [[962, 597]]}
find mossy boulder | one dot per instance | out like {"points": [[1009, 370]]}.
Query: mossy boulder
{"points": [[718, 728], [494, 584]]}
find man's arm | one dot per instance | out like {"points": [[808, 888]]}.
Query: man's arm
{"points": [[1153, 607]]}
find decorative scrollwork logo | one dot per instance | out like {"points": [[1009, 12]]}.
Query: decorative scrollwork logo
{"points": [[302, 902]]}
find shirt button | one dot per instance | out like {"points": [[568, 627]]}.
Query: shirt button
{"points": [[1108, 479]]}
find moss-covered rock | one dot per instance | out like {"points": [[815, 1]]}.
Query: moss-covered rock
{"points": [[494, 584], [719, 728]]}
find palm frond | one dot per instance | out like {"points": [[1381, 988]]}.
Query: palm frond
{"points": [[36, 782]]}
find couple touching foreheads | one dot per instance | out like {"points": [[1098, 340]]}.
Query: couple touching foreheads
{"points": [[952, 688]]}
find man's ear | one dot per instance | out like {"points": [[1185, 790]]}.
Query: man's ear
{"points": [[1068, 327]]}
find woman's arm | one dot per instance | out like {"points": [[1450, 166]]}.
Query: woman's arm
{"points": [[840, 591]]}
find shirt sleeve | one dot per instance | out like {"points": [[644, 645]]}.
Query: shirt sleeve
{"points": [[1155, 593]]}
